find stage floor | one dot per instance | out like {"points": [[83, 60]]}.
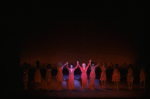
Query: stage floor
{"points": [[99, 92]]}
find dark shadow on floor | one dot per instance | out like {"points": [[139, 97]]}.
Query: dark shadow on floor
{"points": [[109, 88]]}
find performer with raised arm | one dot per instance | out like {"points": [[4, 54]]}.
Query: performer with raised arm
{"points": [[59, 76], [142, 77], [103, 75], [84, 74], [48, 76], [71, 76], [116, 76], [37, 76], [92, 76]]}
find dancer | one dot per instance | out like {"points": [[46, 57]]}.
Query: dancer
{"points": [[25, 76], [48, 76], [84, 74], [116, 76], [103, 75], [37, 76], [130, 76], [142, 77], [59, 76], [92, 76], [71, 76]]}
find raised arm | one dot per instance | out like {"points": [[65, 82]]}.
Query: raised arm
{"points": [[106, 66], [79, 66], [76, 65], [100, 66], [88, 64], [111, 64], [64, 65], [97, 65], [67, 66], [125, 65]]}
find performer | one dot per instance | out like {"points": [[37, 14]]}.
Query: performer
{"points": [[37, 76], [71, 76], [84, 74], [25, 76], [92, 76], [48, 76], [103, 75], [142, 77], [116, 76], [59, 76], [130, 76]]}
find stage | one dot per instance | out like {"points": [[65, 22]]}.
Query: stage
{"points": [[98, 92]]}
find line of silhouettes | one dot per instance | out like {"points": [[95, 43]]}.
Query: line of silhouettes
{"points": [[59, 77]]}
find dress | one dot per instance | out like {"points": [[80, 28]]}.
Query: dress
{"points": [[71, 78], [84, 76], [25, 75], [142, 76], [130, 75], [103, 74], [116, 75], [37, 76], [92, 78], [48, 76], [59, 76]]}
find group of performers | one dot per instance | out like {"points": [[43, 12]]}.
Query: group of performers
{"points": [[59, 77]]}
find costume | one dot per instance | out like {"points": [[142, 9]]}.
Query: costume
{"points": [[25, 78], [37, 76], [25, 75], [92, 78], [84, 76], [130, 75], [142, 76], [71, 78], [103, 74], [59, 76], [48, 76], [116, 75]]}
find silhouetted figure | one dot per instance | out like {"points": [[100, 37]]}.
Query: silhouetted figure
{"points": [[142, 77], [103, 75], [37, 76], [116, 76], [48, 76], [71, 76], [130, 76], [25, 75], [84, 74], [92, 76], [59, 76]]}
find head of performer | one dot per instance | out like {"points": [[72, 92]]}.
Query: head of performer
{"points": [[104, 65], [71, 65], [116, 66], [92, 63], [37, 64], [131, 66], [83, 65], [60, 64], [48, 66]]}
